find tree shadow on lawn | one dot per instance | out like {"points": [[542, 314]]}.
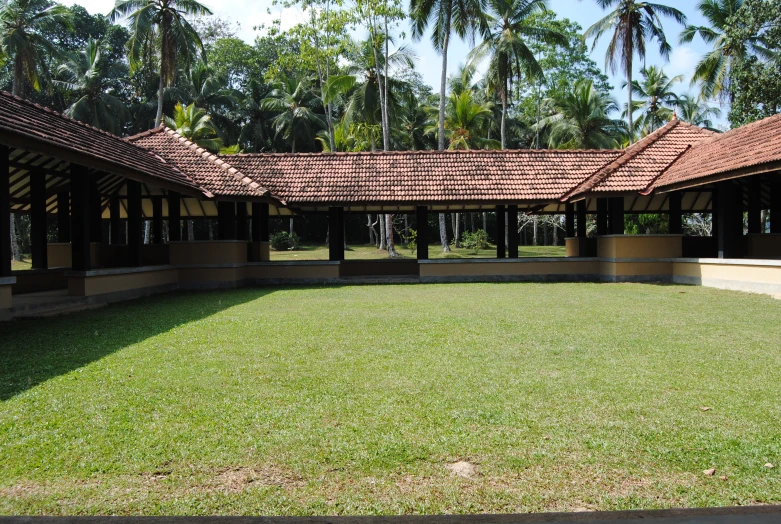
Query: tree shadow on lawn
{"points": [[34, 351]]}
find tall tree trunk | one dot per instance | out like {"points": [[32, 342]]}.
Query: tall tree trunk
{"points": [[504, 114], [485, 221], [383, 232], [389, 232], [443, 233], [406, 228], [372, 232], [386, 121], [536, 224], [211, 229], [443, 83], [291, 227], [457, 230], [555, 231], [190, 232], [160, 96], [15, 253], [629, 88], [147, 232], [472, 221], [507, 228], [18, 88]]}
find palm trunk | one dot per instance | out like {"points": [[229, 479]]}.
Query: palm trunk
{"points": [[160, 96], [536, 231], [457, 230], [18, 88], [442, 94], [629, 107], [504, 114], [15, 253], [389, 231], [485, 221], [386, 121], [190, 232], [291, 228], [443, 233], [383, 232]]}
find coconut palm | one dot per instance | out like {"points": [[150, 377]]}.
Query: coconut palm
{"points": [[162, 26], [697, 112], [713, 70], [656, 98], [194, 124], [464, 17], [466, 122], [294, 102], [581, 120], [86, 73], [22, 41], [633, 24], [512, 25]]}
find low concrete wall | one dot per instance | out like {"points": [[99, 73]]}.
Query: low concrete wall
{"points": [[36, 280], [505, 270], [640, 246], [208, 252], [212, 276], [59, 254], [6, 300], [635, 270], [122, 280], [764, 246], [293, 272], [755, 276], [260, 251]]}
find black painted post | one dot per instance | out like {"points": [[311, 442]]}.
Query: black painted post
{"points": [[569, 219], [226, 220], [259, 222], [729, 223], [421, 216], [676, 214], [755, 205], [501, 249], [38, 229], [80, 219], [512, 232], [582, 208], [602, 216], [157, 220], [135, 237], [116, 229], [242, 222], [617, 216], [5, 213], [335, 234], [63, 217], [775, 207], [95, 225], [174, 217]]}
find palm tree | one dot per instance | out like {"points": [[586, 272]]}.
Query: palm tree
{"points": [[22, 24], [294, 101], [85, 73], [581, 120], [195, 125], [657, 98], [697, 112], [633, 23], [464, 17], [713, 70], [160, 25], [466, 122], [512, 24]]}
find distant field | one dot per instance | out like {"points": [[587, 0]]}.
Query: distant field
{"points": [[435, 251]]}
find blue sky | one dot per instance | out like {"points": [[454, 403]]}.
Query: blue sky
{"points": [[250, 13]]}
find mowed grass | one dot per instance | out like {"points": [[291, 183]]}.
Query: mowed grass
{"points": [[319, 252], [354, 400], [19, 265]]}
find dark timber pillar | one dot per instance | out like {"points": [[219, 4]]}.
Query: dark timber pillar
{"points": [[513, 239], [617, 216], [259, 222], [95, 225], [38, 229], [335, 234], [500, 227], [242, 224], [676, 215], [5, 213], [226, 220], [775, 207], [421, 216], [582, 207], [755, 205], [569, 220], [602, 216], [135, 237], [174, 217], [116, 227], [729, 220], [157, 220], [64, 217], [80, 219]]}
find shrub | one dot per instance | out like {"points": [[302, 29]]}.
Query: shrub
{"points": [[284, 241], [475, 241]]}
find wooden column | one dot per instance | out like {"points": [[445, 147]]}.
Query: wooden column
{"points": [[63, 217], [259, 222], [513, 239], [501, 249], [729, 220], [602, 216], [80, 219], [617, 216], [116, 227], [95, 225], [242, 222], [755, 205], [569, 219], [174, 216], [421, 217], [676, 215], [226, 220], [775, 207], [38, 227], [5, 213], [335, 234], [157, 220], [582, 208], [135, 234]]}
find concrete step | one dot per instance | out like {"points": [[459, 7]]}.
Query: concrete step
{"points": [[381, 279], [57, 310]]}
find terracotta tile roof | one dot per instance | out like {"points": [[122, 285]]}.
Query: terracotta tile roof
{"points": [[643, 162], [422, 176], [745, 147], [30, 126], [208, 170]]}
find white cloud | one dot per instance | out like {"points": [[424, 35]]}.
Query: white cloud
{"points": [[683, 61]]}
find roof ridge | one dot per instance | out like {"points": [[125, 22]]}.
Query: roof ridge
{"points": [[427, 152]]}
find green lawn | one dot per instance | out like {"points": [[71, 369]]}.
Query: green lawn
{"points": [[435, 251], [354, 400], [17, 265]]}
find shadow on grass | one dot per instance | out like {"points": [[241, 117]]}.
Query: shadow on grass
{"points": [[33, 351]]}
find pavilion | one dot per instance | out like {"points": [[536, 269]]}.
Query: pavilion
{"points": [[99, 189]]}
